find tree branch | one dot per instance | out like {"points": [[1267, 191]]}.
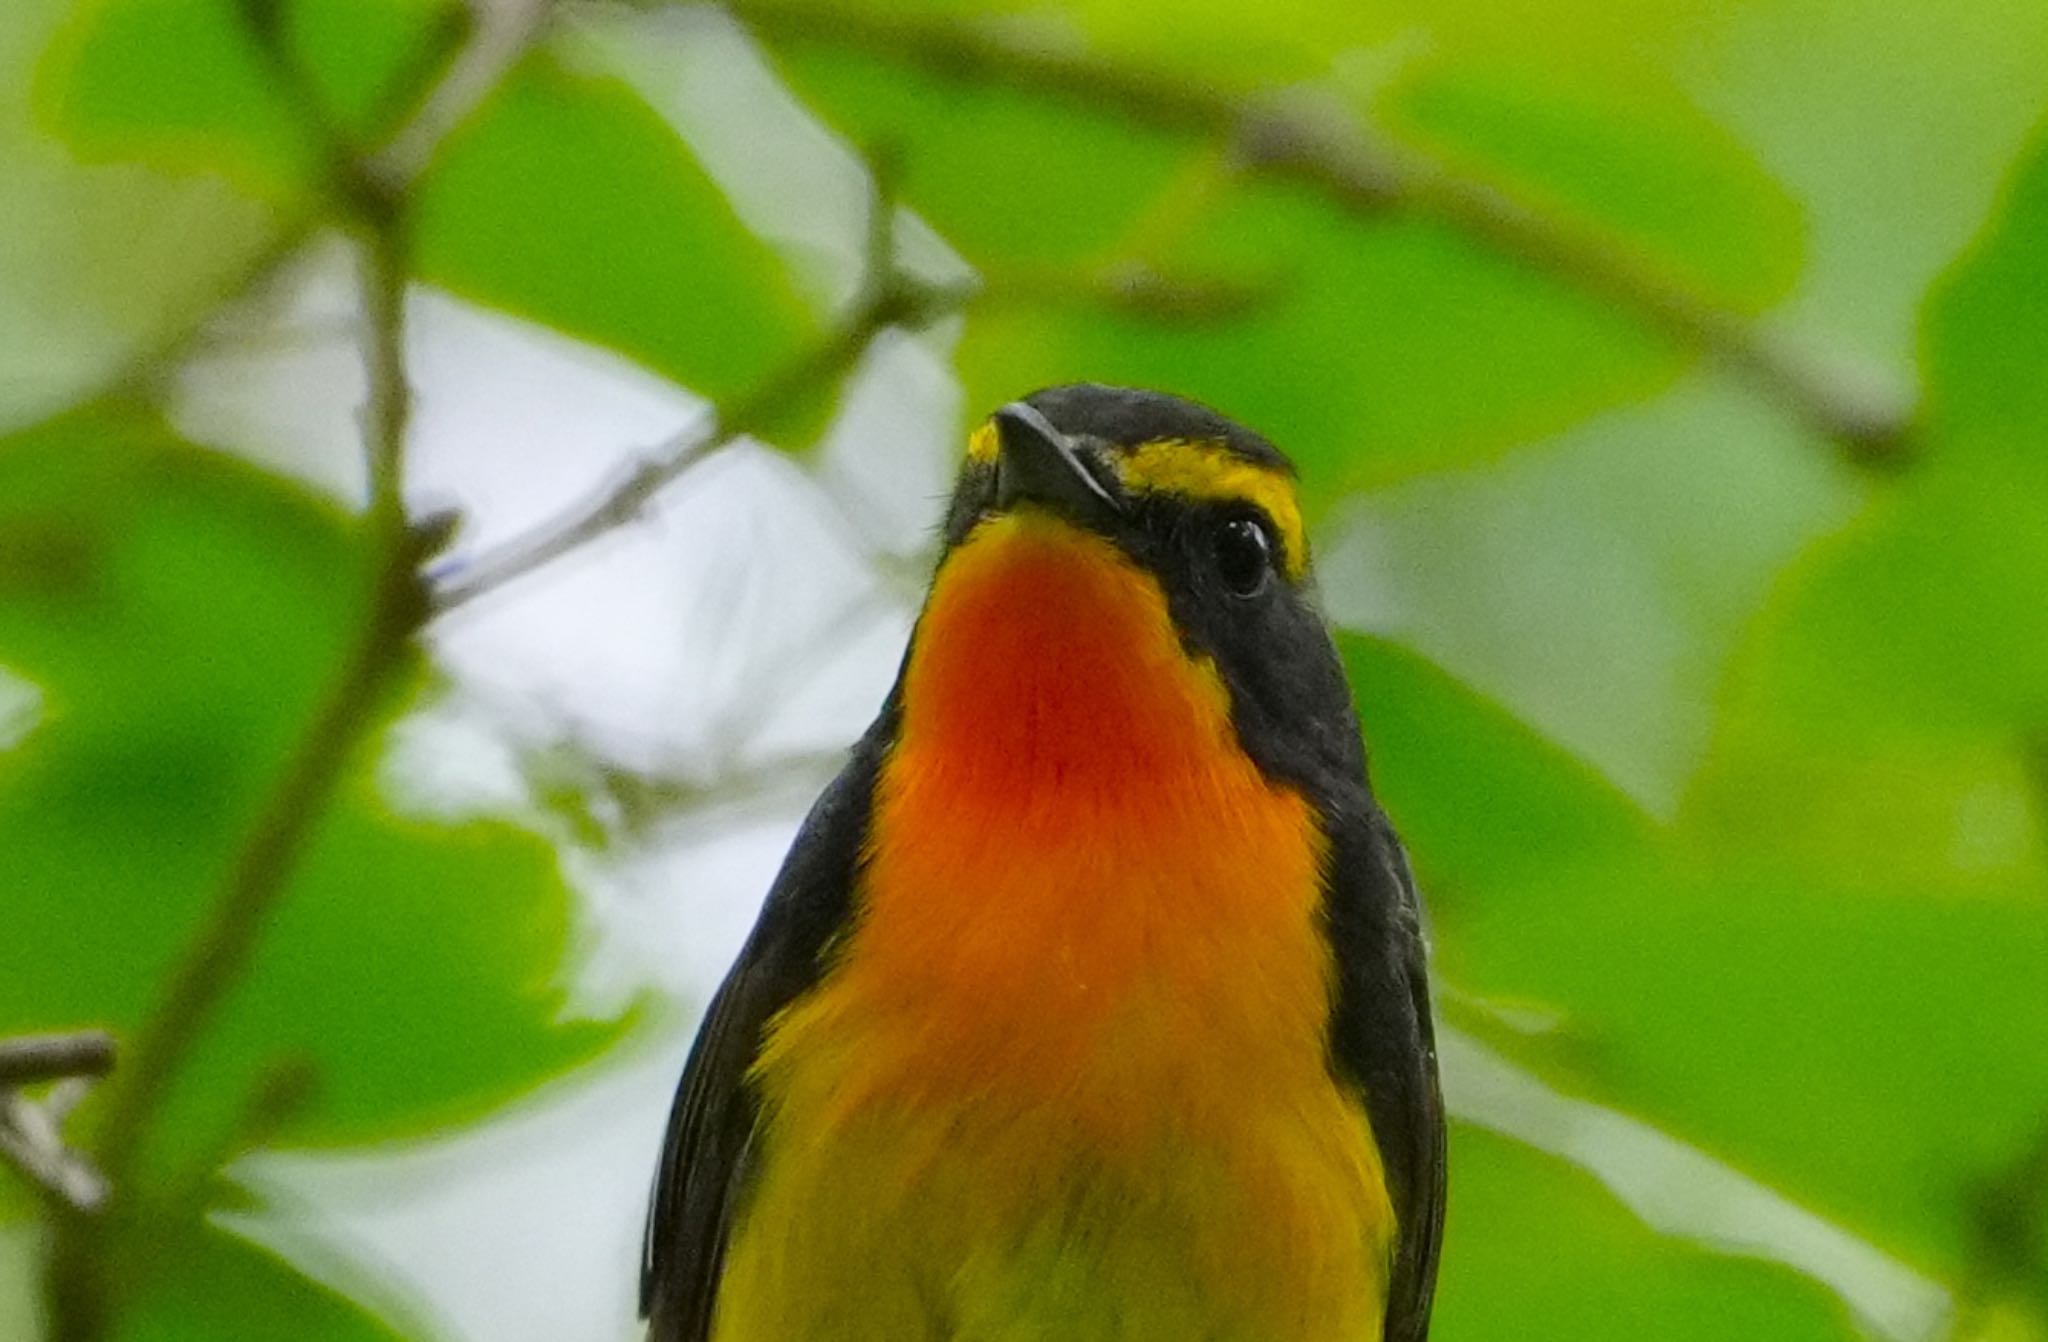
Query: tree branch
{"points": [[32, 1140], [80, 1269], [31, 1134], [36, 1058], [425, 100], [888, 297], [1368, 174]]}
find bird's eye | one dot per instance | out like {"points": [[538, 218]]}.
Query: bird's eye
{"points": [[1244, 556]]}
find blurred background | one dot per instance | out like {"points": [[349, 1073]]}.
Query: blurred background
{"points": [[1670, 387]]}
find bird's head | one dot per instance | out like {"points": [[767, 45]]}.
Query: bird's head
{"points": [[1138, 553]]}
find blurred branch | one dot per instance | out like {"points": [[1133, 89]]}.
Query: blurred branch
{"points": [[32, 1140], [1327, 151], [1133, 289], [215, 957], [31, 1134], [213, 960], [33, 1059], [460, 61], [496, 35], [888, 297], [2008, 1224]]}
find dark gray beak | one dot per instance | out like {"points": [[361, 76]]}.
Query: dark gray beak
{"points": [[1037, 464]]}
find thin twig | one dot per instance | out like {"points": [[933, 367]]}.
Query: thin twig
{"points": [[31, 1133], [216, 956], [214, 959], [384, 267], [496, 36], [33, 1059], [79, 1272], [406, 128], [32, 1141], [1367, 174], [888, 297]]}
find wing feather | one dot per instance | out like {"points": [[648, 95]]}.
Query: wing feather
{"points": [[703, 1174], [1382, 1042]]}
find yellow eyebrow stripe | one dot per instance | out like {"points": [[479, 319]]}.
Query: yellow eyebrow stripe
{"points": [[1209, 470], [983, 444]]}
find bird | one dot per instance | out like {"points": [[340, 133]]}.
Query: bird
{"points": [[1090, 1002]]}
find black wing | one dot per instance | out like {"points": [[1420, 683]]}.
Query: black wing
{"points": [[704, 1157], [1382, 1041]]}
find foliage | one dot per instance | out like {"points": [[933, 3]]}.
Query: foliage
{"points": [[1707, 678]]}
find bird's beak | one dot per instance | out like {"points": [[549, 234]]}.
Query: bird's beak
{"points": [[1037, 464]]}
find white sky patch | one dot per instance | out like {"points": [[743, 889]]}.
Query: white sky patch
{"points": [[789, 178], [1680, 1190], [280, 378]]}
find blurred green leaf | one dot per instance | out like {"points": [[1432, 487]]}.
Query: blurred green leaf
{"points": [[200, 1283], [1930, 611], [183, 84], [20, 1242], [1539, 1250], [1386, 349], [1887, 712], [181, 614], [1001, 174], [1382, 346], [179, 83], [1479, 798], [569, 201], [1872, 1056], [564, 199], [1596, 585], [95, 261], [1674, 187], [205, 1284]]}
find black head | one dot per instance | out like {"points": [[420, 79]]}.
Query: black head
{"points": [[1210, 510]]}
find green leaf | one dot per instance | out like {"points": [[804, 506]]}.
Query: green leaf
{"points": [[20, 1302], [198, 1282], [1874, 1057], [1369, 347], [564, 199], [1480, 800], [182, 614], [1538, 1250], [569, 201], [1670, 186], [1697, 978], [1596, 586], [183, 84], [1383, 349], [205, 1284], [1985, 337], [98, 261], [1931, 609], [1000, 173]]}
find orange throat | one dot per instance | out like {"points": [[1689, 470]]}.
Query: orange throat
{"points": [[1079, 889]]}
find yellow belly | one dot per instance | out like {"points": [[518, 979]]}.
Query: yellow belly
{"points": [[990, 1227]]}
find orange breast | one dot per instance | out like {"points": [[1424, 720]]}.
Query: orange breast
{"points": [[1080, 891]]}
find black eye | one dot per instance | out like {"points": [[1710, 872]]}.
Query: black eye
{"points": [[1244, 556]]}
